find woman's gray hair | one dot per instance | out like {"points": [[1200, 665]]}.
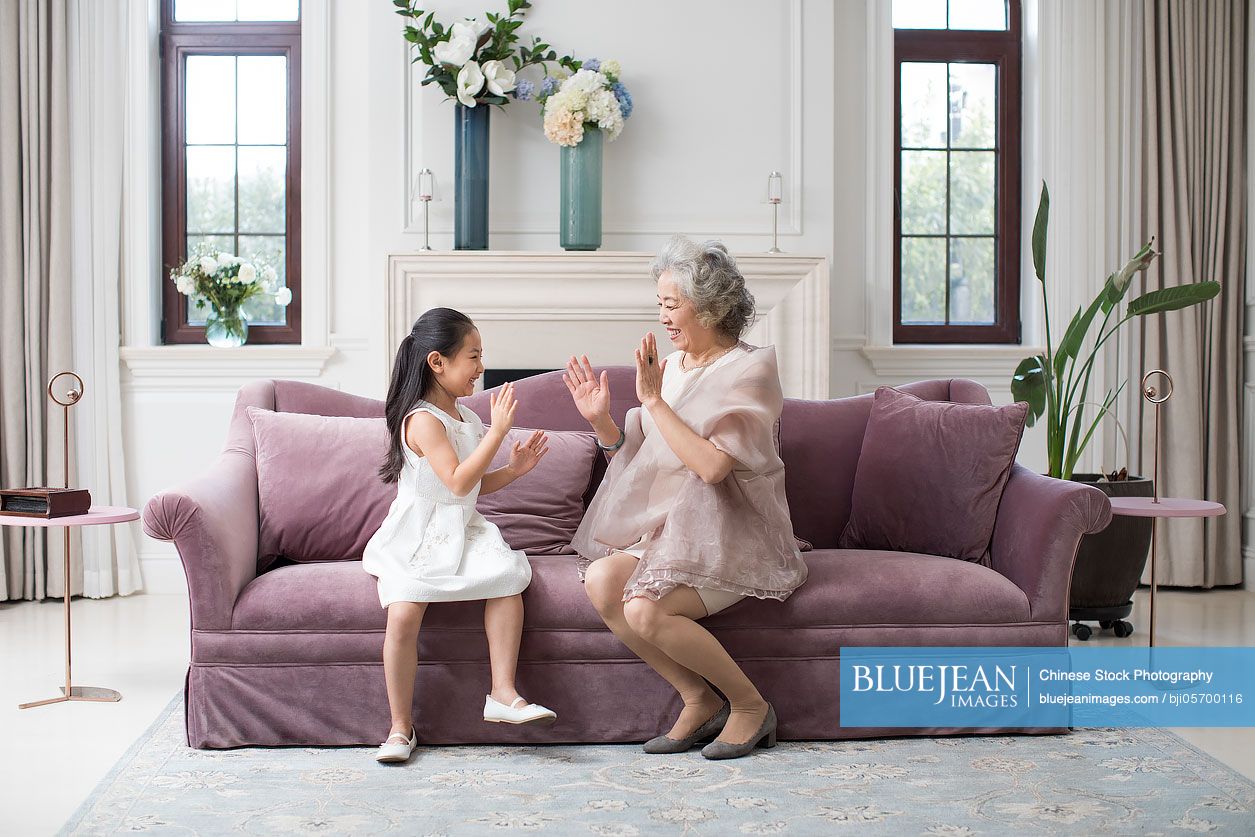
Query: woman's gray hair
{"points": [[707, 275]]}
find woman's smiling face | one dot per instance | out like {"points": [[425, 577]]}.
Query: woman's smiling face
{"points": [[678, 316]]}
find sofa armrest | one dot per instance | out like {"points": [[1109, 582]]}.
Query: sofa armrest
{"points": [[1038, 529], [213, 521]]}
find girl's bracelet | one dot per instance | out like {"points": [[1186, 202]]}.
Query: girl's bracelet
{"points": [[616, 445]]}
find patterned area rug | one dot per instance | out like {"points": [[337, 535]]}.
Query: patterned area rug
{"points": [[1093, 781]]}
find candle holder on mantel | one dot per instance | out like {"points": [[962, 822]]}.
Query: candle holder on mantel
{"points": [[424, 191], [1156, 506], [775, 189]]}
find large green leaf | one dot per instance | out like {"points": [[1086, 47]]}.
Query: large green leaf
{"points": [[1028, 384], [1039, 233], [1170, 299], [1070, 346]]}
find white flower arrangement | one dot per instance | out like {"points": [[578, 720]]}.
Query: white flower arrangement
{"points": [[468, 60], [592, 95], [226, 282]]}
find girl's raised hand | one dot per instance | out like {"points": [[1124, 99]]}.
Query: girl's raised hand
{"points": [[525, 455], [590, 393], [503, 406]]}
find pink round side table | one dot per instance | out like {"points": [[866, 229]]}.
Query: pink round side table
{"points": [[1156, 508], [96, 515]]}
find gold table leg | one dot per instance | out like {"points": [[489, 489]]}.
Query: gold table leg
{"points": [[70, 692]]}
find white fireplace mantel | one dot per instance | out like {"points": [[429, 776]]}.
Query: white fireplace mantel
{"points": [[536, 309]]}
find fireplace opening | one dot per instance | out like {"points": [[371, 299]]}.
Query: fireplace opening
{"points": [[497, 377]]}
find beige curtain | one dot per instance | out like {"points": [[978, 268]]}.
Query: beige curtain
{"points": [[35, 310], [1194, 134]]}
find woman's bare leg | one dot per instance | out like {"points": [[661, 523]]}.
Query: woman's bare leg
{"points": [[503, 623], [400, 661], [669, 624], [604, 582]]}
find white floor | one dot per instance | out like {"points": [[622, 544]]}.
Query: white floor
{"points": [[51, 757]]}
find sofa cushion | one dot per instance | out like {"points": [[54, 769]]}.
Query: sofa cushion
{"points": [[319, 493], [930, 475], [539, 512], [852, 596], [321, 498]]}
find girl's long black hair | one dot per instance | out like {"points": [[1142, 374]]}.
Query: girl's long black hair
{"points": [[438, 330]]}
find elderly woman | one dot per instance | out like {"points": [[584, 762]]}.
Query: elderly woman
{"points": [[692, 515]]}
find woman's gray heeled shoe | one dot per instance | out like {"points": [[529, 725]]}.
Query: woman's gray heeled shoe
{"points": [[712, 727], [765, 737]]}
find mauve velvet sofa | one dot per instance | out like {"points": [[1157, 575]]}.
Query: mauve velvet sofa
{"points": [[292, 655]]}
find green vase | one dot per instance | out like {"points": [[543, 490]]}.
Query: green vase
{"points": [[227, 330], [581, 192]]}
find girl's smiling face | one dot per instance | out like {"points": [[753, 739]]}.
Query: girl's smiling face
{"points": [[457, 375]]}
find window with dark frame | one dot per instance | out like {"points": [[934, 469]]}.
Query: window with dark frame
{"points": [[956, 260], [231, 152]]}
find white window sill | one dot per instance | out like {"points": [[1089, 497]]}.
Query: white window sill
{"points": [[968, 360], [204, 361]]}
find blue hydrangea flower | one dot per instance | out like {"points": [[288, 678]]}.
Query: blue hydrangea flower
{"points": [[524, 89], [593, 64], [548, 85], [625, 98]]}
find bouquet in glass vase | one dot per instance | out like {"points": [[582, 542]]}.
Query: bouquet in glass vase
{"points": [[581, 110], [224, 282]]}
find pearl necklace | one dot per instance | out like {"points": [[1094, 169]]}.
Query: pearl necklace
{"points": [[683, 368]]}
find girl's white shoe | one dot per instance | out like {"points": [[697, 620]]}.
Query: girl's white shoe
{"points": [[496, 712], [397, 747]]}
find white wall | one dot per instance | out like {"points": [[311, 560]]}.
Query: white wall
{"points": [[725, 91]]}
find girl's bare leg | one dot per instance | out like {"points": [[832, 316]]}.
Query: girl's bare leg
{"points": [[400, 661], [503, 623]]}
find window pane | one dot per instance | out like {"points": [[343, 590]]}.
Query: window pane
{"points": [[972, 280], [265, 250], [200, 10], [269, 9], [923, 280], [193, 11], [919, 14], [923, 192], [924, 105], [210, 189], [210, 99], [972, 195], [263, 108], [973, 93], [978, 14], [263, 172]]}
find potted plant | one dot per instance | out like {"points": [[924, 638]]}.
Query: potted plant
{"points": [[1055, 384], [582, 111], [474, 61], [225, 282]]}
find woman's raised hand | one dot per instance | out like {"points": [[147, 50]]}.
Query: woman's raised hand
{"points": [[590, 394], [503, 406], [649, 371]]}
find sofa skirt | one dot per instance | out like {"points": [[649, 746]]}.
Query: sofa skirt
{"points": [[597, 701]]}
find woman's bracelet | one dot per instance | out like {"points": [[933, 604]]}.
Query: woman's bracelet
{"points": [[616, 445]]}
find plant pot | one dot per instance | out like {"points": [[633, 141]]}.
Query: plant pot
{"points": [[470, 177], [228, 330], [580, 224], [1109, 563]]}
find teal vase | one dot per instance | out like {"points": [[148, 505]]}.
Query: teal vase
{"points": [[580, 224], [470, 177]]}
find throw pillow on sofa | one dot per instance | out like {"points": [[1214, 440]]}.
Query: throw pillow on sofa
{"points": [[930, 475], [540, 511], [321, 499], [318, 488]]}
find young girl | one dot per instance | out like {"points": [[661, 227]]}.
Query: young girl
{"points": [[434, 546]]}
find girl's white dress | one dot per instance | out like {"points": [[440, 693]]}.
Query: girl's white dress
{"points": [[434, 546]]}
